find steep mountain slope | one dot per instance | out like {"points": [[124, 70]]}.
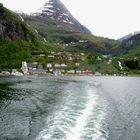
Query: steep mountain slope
{"points": [[56, 11], [54, 20], [128, 53], [129, 36], [17, 40], [55, 23], [11, 27], [130, 45]]}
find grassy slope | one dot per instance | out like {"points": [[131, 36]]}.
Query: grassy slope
{"points": [[58, 33]]}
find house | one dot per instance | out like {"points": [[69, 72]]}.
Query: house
{"points": [[51, 56], [62, 71], [106, 56], [35, 69], [88, 72], [77, 64], [57, 65], [49, 65], [97, 74], [71, 71], [63, 65], [109, 61], [50, 70], [70, 58], [32, 66], [82, 54], [78, 72], [42, 55], [38, 71]]}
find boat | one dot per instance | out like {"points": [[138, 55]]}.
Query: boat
{"points": [[16, 73]]}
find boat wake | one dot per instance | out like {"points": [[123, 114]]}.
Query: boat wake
{"points": [[78, 117]]}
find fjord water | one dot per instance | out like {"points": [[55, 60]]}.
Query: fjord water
{"points": [[69, 108]]}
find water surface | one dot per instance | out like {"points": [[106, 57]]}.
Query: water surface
{"points": [[69, 108]]}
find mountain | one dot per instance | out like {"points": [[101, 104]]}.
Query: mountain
{"points": [[52, 19], [18, 41], [12, 28], [58, 27], [130, 45], [129, 36], [55, 10]]}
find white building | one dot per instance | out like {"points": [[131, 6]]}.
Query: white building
{"points": [[49, 65], [78, 72], [109, 62], [70, 58], [57, 65], [24, 67], [71, 72], [50, 70], [51, 56], [63, 65], [77, 64]]}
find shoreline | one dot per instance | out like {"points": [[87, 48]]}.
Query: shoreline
{"points": [[70, 75]]}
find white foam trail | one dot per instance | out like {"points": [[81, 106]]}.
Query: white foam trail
{"points": [[46, 134], [97, 127], [75, 132], [75, 128]]}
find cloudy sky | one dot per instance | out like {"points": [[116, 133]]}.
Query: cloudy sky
{"points": [[108, 18]]}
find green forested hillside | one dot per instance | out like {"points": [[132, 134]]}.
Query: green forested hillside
{"points": [[17, 41], [71, 40]]}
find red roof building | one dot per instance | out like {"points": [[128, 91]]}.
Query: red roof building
{"points": [[88, 72]]}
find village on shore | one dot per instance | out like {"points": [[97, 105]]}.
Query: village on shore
{"points": [[59, 63], [52, 69], [69, 66]]}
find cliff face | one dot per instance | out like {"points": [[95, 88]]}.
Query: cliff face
{"points": [[11, 27]]}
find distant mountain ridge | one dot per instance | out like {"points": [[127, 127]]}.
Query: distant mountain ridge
{"points": [[129, 36]]}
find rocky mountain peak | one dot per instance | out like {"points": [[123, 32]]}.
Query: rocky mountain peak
{"points": [[56, 10]]}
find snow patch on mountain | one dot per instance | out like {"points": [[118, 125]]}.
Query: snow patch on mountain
{"points": [[56, 11]]}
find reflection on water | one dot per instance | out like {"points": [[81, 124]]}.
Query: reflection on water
{"points": [[66, 108]]}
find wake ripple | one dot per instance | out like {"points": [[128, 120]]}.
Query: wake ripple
{"points": [[79, 118]]}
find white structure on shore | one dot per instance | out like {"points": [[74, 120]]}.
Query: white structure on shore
{"points": [[49, 65], [24, 68], [16, 73]]}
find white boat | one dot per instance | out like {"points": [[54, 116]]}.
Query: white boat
{"points": [[16, 73]]}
